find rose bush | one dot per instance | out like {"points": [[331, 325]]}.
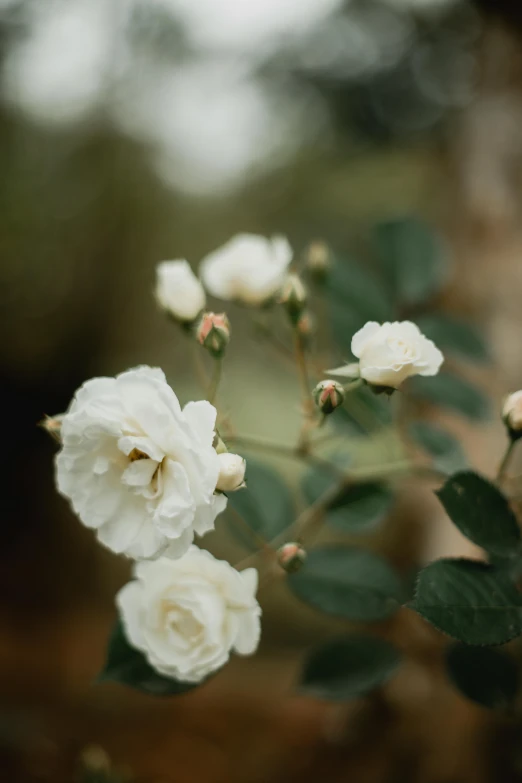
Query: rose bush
{"points": [[138, 468], [186, 616]]}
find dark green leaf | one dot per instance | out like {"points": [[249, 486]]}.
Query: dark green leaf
{"points": [[487, 677], [357, 508], [471, 601], [355, 297], [348, 582], [452, 335], [265, 505], [354, 287], [481, 512], [411, 257], [450, 391], [345, 321], [128, 666], [349, 667], [363, 412], [444, 449]]}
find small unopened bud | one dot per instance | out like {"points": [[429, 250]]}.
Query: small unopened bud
{"points": [[512, 414], [213, 332], [293, 296], [53, 425], [291, 557], [328, 395], [318, 259], [306, 327], [231, 472]]}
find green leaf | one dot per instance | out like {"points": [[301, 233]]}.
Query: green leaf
{"points": [[471, 601], [454, 336], [445, 450], [487, 677], [481, 512], [357, 508], [411, 257], [363, 412], [348, 667], [265, 505], [355, 288], [450, 391], [348, 582], [355, 297], [128, 666]]}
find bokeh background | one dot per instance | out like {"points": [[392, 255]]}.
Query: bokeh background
{"points": [[133, 131]]}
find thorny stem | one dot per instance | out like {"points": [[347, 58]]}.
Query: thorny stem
{"points": [[216, 377], [504, 463], [300, 358], [199, 365], [376, 471]]}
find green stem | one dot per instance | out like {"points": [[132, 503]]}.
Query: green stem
{"points": [[216, 377], [302, 369], [504, 463]]}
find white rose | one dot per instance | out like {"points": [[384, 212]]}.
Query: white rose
{"points": [[248, 268], [391, 352], [178, 290], [512, 411], [187, 615], [138, 468], [231, 472]]}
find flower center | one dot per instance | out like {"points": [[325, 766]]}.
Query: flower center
{"points": [[136, 454]]}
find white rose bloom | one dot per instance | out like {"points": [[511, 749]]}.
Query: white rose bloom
{"points": [[512, 411], [187, 615], [138, 468], [178, 290], [231, 472], [248, 268], [391, 352]]}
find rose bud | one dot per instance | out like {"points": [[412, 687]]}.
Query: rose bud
{"points": [[328, 395], [291, 557], [318, 259], [306, 327], [512, 414], [213, 332], [178, 291], [231, 472], [293, 296], [53, 426]]}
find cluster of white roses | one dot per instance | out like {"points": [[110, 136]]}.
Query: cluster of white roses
{"points": [[145, 473], [248, 269]]}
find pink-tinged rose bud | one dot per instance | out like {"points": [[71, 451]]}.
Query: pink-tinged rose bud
{"points": [[293, 296], [291, 557], [328, 395], [512, 414], [53, 426], [318, 259], [213, 332], [231, 472]]}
